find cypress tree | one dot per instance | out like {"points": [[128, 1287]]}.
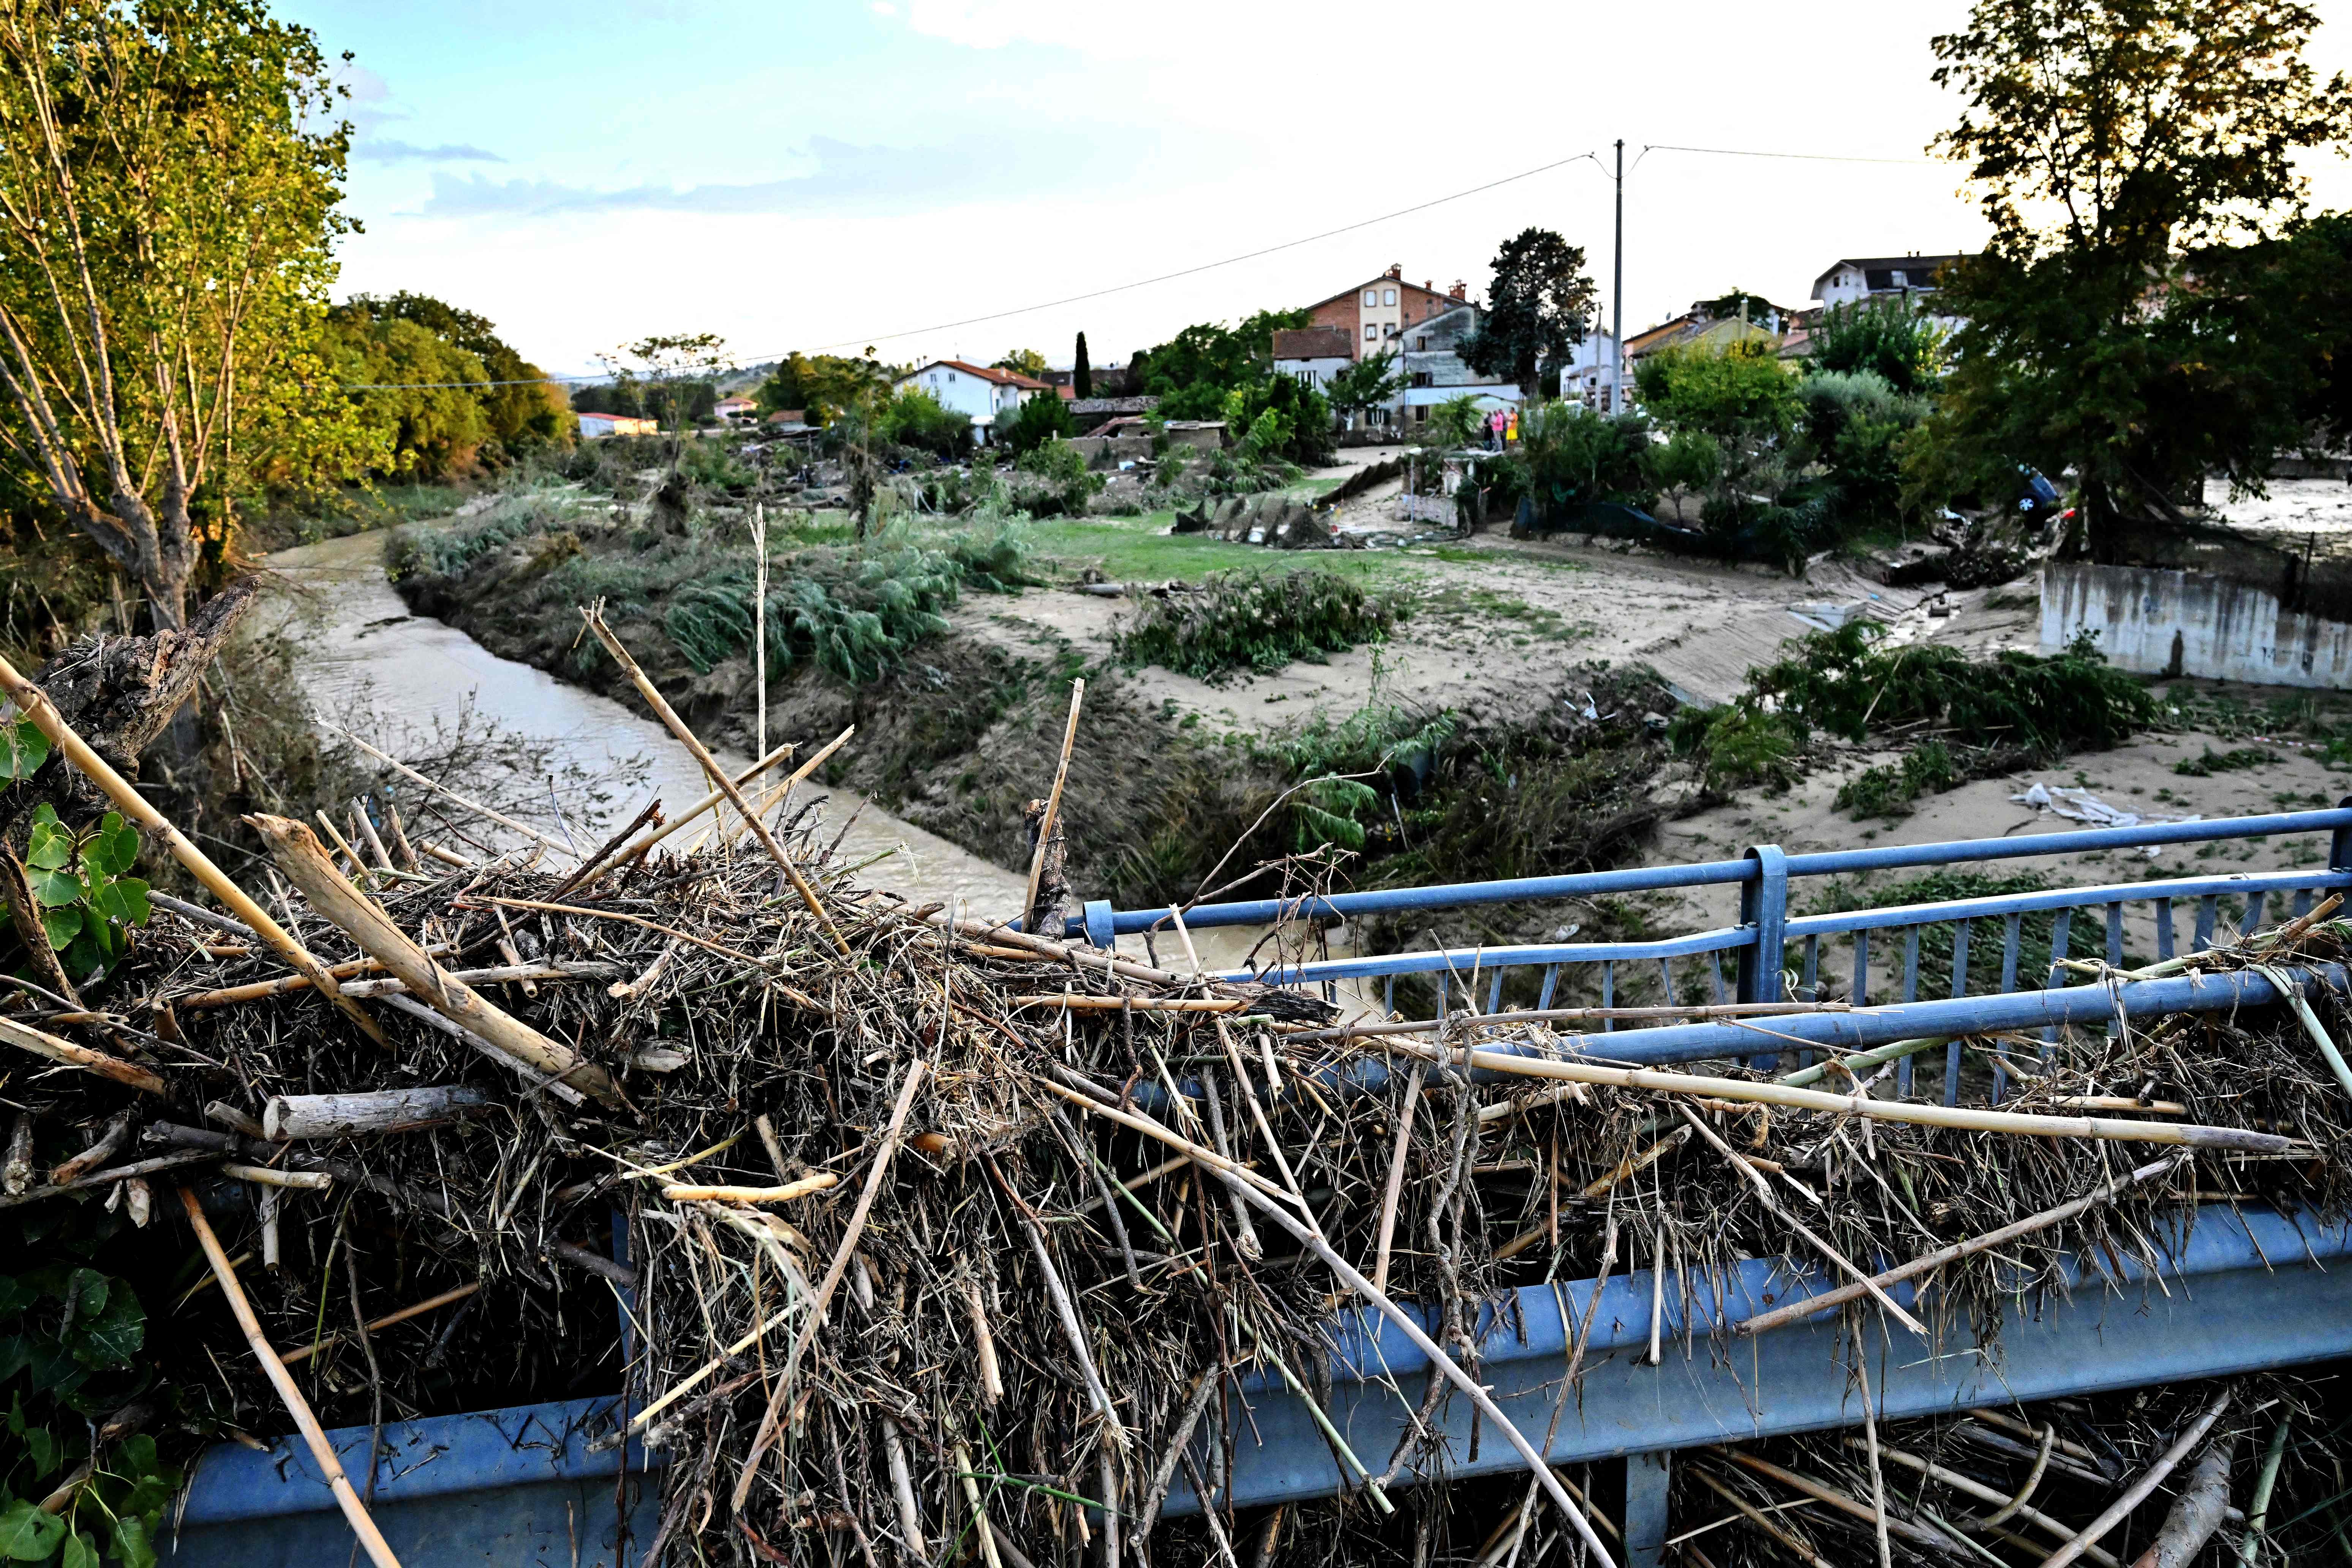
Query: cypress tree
{"points": [[1082, 378]]}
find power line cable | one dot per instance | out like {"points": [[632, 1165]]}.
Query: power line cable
{"points": [[870, 339]]}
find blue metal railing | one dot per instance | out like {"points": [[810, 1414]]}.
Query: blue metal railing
{"points": [[1769, 947]]}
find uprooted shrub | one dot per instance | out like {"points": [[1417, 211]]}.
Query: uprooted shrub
{"points": [[1846, 682], [1889, 789], [1239, 622]]}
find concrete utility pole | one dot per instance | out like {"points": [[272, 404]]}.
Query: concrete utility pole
{"points": [[1617, 307]]}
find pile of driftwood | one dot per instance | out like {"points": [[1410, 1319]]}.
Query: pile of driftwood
{"points": [[942, 1241]]}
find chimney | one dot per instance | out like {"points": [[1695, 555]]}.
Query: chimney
{"points": [[1396, 269], [1427, 287], [1460, 291]]}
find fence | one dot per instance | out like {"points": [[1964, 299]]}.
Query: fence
{"points": [[1775, 955]]}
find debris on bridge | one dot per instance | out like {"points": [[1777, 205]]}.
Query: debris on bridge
{"points": [[937, 1239]]}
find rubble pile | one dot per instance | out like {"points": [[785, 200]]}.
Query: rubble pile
{"points": [[942, 1240]]}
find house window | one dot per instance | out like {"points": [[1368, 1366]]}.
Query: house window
{"points": [[1371, 298], [1388, 296], [1392, 329], [1421, 412], [1371, 332], [1420, 342], [1423, 378]]}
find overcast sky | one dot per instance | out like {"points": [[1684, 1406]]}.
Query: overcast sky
{"points": [[825, 174]]}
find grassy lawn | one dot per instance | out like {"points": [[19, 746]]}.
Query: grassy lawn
{"points": [[1140, 548]]}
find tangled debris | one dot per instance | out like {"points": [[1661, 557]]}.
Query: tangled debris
{"points": [[939, 1239]]}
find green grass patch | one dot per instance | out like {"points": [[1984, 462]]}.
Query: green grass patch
{"points": [[1462, 602], [1257, 623], [1889, 789], [1464, 555], [1140, 548], [2229, 762]]}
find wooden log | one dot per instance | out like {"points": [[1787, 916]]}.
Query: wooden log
{"points": [[270, 1176], [1045, 851], [2196, 1514], [117, 1133], [35, 705], [682, 1192], [107, 1178], [298, 853], [381, 1110], [322, 1451], [16, 1166], [23, 1037]]}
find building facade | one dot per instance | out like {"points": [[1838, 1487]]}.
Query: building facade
{"points": [[1375, 312], [1852, 279], [1313, 354], [1429, 358], [979, 392]]}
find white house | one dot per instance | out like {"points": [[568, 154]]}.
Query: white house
{"points": [[1313, 354], [1590, 377], [975, 391], [594, 427], [1855, 278]]}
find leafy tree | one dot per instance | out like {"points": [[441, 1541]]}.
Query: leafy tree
{"points": [[666, 366], [422, 394], [1022, 362], [523, 409], [1569, 456], [1280, 416], [1890, 338], [1743, 402], [915, 418], [1454, 424], [1853, 423], [1040, 419], [820, 385], [1082, 373], [1191, 372], [1741, 305], [2118, 146], [1536, 309], [1365, 383], [169, 177]]}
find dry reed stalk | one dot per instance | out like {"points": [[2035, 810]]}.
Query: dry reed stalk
{"points": [[775, 795], [131, 1075], [2137, 1492], [416, 1310], [115, 1134], [1772, 1203], [1574, 1015], [1757, 1517], [1912, 1534], [2020, 1123], [34, 704], [137, 1168], [677, 726], [1053, 805], [323, 1452], [1763, 1322], [476, 807], [306, 865], [1969, 1486], [679, 1192], [1438, 1360], [359, 866], [270, 1176], [875, 1175], [1398, 1149]]}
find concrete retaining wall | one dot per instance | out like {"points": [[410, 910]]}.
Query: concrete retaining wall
{"points": [[2185, 623]]}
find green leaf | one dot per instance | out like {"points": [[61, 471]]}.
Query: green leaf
{"points": [[136, 909], [112, 1338], [53, 890], [89, 1289], [28, 1535], [62, 925], [15, 1295], [132, 1547], [136, 1457], [79, 1552], [49, 847], [121, 841], [42, 1449], [23, 748]]}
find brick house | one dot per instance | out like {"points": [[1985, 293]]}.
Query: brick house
{"points": [[1381, 308]]}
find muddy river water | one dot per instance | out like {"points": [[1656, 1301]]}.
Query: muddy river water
{"points": [[367, 647], [363, 648]]}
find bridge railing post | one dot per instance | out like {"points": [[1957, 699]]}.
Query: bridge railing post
{"points": [[1764, 908]]}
